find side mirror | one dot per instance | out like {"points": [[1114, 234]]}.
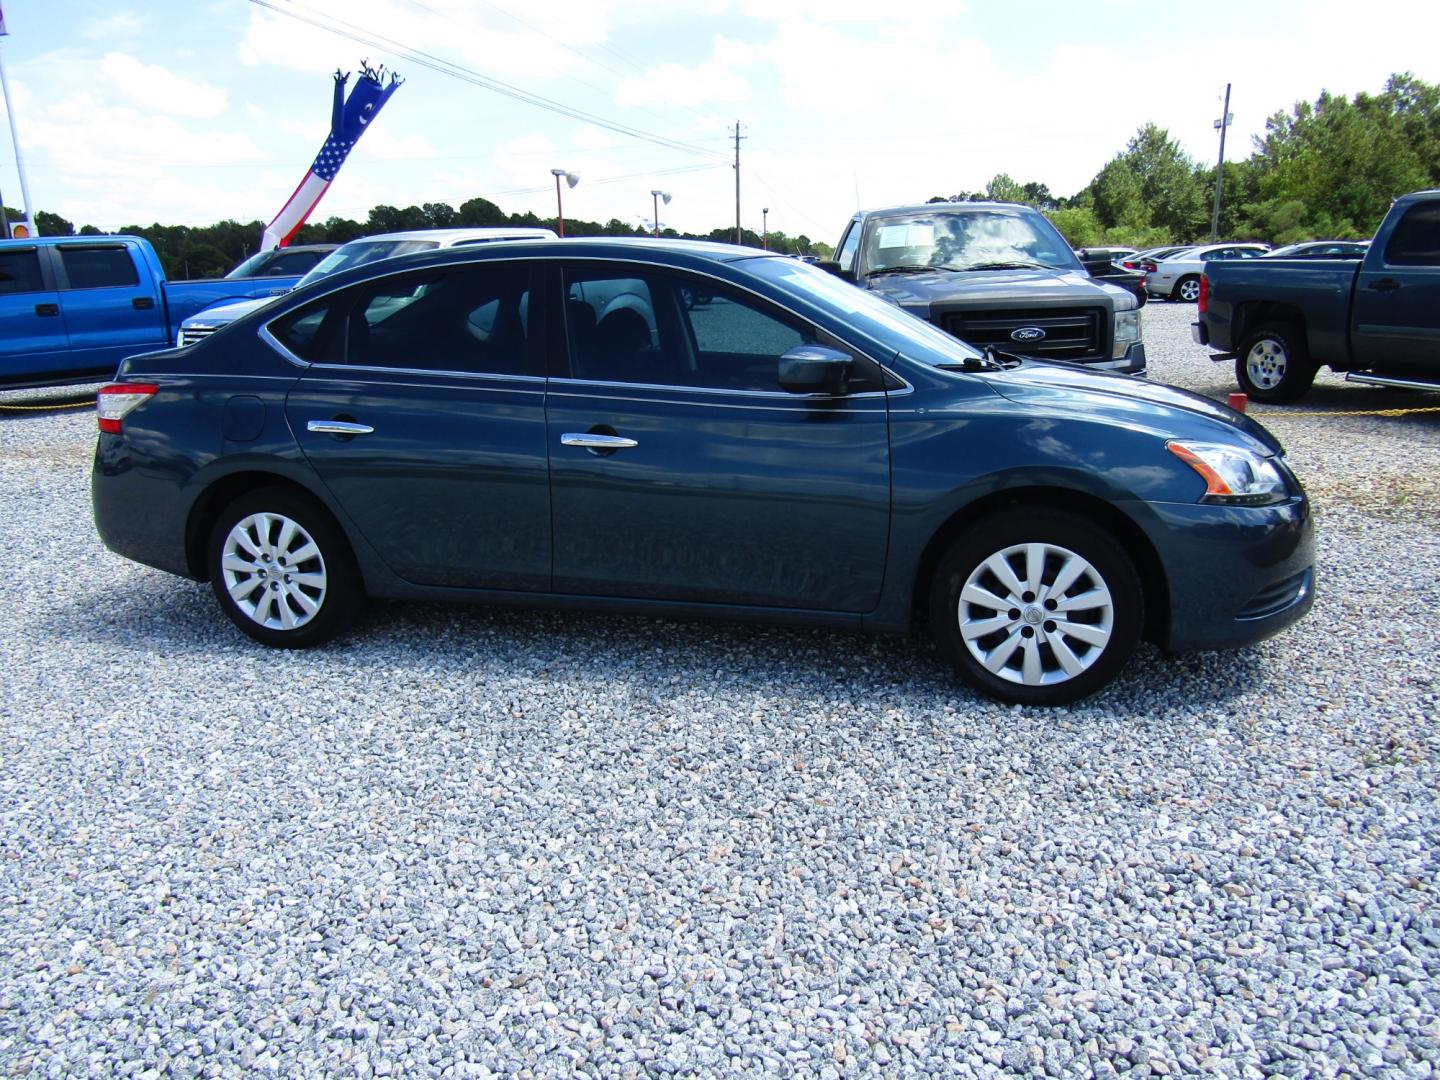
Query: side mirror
{"points": [[815, 369], [832, 267]]}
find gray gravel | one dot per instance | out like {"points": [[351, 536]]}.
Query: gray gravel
{"points": [[468, 842]]}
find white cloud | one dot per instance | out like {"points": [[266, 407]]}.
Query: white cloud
{"points": [[379, 142], [160, 89], [118, 24], [678, 86]]}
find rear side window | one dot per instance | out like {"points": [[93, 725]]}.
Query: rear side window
{"points": [[1416, 240], [98, 267], [295, 262], [20, 272]]}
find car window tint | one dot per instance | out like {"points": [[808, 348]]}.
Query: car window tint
{"points": [[20, 272], [296, 262], [611, 329], [469, 319], [849, 245], [1416, 240], [738, 347], [312, 332], [98, 267]]}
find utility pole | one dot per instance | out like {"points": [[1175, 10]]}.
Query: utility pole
{"points": [[1222, 124], [29, 208], [738, 137]]}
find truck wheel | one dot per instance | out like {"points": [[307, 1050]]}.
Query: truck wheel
{"points": [[282, 570], [1036, 606], [1273, 365], [1187, 289]]}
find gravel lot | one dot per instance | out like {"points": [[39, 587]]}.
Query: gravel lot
{"points": [[470, 842]]}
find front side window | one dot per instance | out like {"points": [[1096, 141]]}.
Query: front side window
{"points": [[98, 267], [1416, 240], [849, 245], [20, 272]]}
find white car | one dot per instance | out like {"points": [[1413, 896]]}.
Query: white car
{"points": [[367, 249], [1178, 277]]}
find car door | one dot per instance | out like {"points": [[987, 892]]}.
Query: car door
{"points": [[421, 407], [681, 471], [1397, 296], [33, 341], [110, 308]]}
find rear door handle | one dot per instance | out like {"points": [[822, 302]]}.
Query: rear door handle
{"points": [[338, 427], [597, 442], [47, 309], [142, 303], [1385, 284]]}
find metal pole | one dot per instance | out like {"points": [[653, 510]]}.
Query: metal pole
{"points": [[655, 203], [765, 227], [559, 210], [737, 181], [1220, 168], [20, 161]]}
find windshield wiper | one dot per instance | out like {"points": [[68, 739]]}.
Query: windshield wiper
{"points": [[904, 270], [991, 360], [1008, 266]]}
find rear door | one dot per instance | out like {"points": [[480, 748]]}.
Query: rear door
{"points": [[109, 303], [422, 409], [33, 342], [722, 488], [1396, 320]]}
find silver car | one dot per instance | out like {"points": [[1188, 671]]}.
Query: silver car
{"points": [[1178, 277]]}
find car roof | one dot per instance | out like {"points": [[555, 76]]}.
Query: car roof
{"points": [[446, 237]]}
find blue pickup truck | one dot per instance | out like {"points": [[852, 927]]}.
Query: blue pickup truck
{"points": [[1378, 320], [73, 307]]}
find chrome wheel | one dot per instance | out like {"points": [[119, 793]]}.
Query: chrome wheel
{"points": [[1265, 363], [1036, 614], [1189, 290], [273, 571]]}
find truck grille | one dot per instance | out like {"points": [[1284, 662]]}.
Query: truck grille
{"points": [[1070, 333], [189, 335]]}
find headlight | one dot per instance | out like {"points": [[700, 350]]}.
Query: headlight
{"points": [[1127, 332], [1231, 474]]}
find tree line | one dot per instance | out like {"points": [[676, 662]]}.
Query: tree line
{"points": [[1323, 170]]}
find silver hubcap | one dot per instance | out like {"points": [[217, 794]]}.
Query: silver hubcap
{"points": [[273, 571], [1036, 614], [1265, 364], [1189, 290]]}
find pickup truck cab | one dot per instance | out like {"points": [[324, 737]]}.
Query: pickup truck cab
{"points": [[1281, 319], [993, 275], [73, 307]]}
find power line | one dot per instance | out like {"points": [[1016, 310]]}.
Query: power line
{"points": [[333, 25]]}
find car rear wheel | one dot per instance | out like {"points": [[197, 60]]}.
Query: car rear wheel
{"points": [[1036, 607], [281, 569], [1187, 289], [1273, 365]]}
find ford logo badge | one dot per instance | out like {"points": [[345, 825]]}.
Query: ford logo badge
{"points": [[1027, 333]]}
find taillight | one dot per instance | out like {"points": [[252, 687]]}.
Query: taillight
{"points": [[115, 401], [1204, 294]]}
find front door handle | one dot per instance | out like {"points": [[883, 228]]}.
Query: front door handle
{"points": [[338, 427], [47, 309], [597, 442], [1385, 284], [142, 303]]}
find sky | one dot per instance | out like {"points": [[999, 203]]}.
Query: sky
{"points": [[192, 111]]}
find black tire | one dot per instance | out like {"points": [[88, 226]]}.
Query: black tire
{"points": [[1273, 364], [266, 556], [1187, 289], [1107, 570]]}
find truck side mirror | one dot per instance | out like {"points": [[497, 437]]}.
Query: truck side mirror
{"points": [[832, 267]]}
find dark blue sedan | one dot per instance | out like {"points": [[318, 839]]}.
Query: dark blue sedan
{"points": [[694, 429]]}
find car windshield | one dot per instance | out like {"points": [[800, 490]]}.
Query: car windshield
{"points": [[359, 253], [866, 312], [966, 240]]}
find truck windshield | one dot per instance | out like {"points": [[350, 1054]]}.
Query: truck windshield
{"points": [[966, 240], [356, 254]]}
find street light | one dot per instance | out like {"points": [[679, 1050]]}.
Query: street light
{"points": [[765, 227], [655, 197], [571, 179]]}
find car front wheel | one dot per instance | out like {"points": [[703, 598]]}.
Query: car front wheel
{"points": [[281, 569], [1036, 607]]}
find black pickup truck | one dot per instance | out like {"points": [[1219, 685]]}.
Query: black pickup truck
{"points": [[995, 275], [1281, 320]]}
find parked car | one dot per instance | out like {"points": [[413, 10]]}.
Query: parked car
{"points": [[557, 423], [1177, 276], [72, 307], [1321, 249], [995, 275], [1145, 261], [289, 261], [367, 249], [1377, 318]]}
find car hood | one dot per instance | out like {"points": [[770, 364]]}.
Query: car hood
{"points": [[1124, 397], [983, 287], [220, 314]]}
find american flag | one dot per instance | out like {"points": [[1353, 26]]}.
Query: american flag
{"points": [[331, 157]]}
